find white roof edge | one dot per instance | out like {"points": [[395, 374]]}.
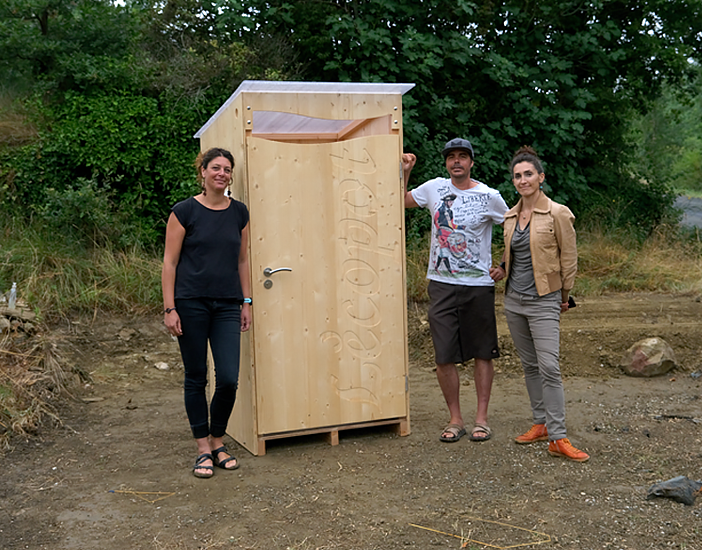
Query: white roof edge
{"points": [[278, 86]]}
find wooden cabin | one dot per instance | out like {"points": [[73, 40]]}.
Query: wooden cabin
{"points": [[319, 166]]}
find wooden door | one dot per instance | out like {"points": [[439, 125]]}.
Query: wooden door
{"points": [[329, 329]]}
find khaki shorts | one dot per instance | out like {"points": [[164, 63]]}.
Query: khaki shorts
{"points": [[462, 322]]}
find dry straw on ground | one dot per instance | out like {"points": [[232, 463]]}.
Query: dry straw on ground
{"points": [[16, 130], [31, 381], [663, 263]]}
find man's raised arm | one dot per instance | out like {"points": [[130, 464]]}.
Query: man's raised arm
{"points": [[408, 162]]}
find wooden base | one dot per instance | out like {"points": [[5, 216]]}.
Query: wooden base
{"points": [[401, 428]]}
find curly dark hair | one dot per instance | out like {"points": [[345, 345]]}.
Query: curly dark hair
{"points": [[205, 157]]}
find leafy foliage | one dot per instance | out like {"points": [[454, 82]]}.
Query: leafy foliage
{"points": [[66, 44], [114, 92], [99, 100], [563, 76], [117, 93], [669, 138]]}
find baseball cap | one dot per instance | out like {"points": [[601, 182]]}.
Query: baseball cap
{"points": [[458, 143]]}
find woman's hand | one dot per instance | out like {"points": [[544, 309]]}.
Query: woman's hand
{"points": [[172, 322], [565, 301], [497, 273], [245, 317]]}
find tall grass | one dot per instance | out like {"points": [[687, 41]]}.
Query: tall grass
{"points": [[667, 261], [57, 275], [16, 128], [417, 262]]}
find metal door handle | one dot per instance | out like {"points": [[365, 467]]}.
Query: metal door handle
{"points": [[268, 271]]}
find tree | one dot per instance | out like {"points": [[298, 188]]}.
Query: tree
{"points": [[564, 76], [668, 138], [93, 96], [65, 43], [116, 93]]}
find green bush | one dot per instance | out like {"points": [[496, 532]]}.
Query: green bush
{"points": [[84, 214], [687, 168], [634, 206], [136, 151]]}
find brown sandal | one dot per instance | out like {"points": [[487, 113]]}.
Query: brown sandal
{"points": [[480, 429], [456, 430]]}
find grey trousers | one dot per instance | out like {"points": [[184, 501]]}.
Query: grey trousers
{"points": [[534, 323]]}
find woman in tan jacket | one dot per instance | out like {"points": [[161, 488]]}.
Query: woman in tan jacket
{"points": [[540, 263]]}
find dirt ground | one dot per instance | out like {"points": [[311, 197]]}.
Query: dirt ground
{"points": [[92, 483]]}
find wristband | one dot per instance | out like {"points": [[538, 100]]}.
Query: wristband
{"points": [[169, 309], [248, 301], [503, 265]]}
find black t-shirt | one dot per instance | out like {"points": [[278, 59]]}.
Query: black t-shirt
{"points": [[209, 258]]}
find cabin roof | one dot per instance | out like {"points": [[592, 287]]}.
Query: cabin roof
{"points": [[270, 86]]}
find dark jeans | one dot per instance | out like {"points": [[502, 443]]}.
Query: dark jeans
{"points": [[218, 321]]}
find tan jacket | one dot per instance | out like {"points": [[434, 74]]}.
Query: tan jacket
{"points": [[554, 254]]}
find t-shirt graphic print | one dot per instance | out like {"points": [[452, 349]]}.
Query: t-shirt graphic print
{"points": [[461, 235]]}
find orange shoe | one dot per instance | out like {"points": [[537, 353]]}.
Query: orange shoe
{"points": [[562, 447], [536, 433]]}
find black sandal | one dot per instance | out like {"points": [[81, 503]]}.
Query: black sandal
{"points": [[198, 466], [223, 463]]}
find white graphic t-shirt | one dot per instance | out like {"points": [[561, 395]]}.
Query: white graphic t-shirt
{"points": [[461, 232]]}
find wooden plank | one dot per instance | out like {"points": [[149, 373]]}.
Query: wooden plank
{"points": [[355, 129], [333, 437], [400, 425], [300, 137], [22, 313], [330, 106], [374, 127]]}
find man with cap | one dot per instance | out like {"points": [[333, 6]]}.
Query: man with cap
{"points": [[461, 280]]}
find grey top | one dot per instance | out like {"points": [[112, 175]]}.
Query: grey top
{"points": [[521, 273]]}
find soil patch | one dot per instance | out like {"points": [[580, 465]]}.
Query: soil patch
{"points": [[117, 474]]}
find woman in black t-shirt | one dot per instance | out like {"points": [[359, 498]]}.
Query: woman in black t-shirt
{"points": [[207, 298]]}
